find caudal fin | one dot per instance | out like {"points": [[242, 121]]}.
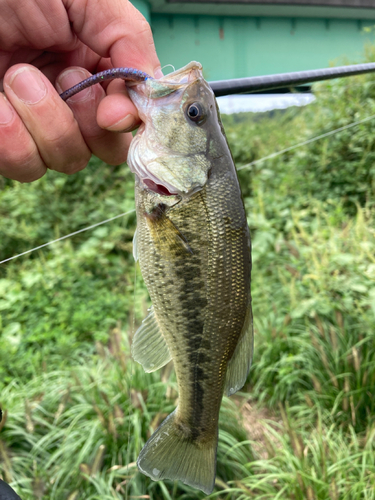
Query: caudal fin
{"points": [[167, 455]]}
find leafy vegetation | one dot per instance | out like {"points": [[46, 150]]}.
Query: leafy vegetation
{"points": [[78, 410]]}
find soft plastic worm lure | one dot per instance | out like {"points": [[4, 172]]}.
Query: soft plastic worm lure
{"points": [[130, 74]]}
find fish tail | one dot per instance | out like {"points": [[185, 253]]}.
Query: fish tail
{"points": [[168, 454]]}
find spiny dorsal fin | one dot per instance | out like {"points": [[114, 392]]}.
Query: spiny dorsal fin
{"points": [[239, 364], [149, 347]]}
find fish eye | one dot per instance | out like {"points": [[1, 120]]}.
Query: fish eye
{"points": [[195, 113]]}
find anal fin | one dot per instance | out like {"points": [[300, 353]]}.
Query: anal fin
{"points": [[240, 363], [149, 347]]}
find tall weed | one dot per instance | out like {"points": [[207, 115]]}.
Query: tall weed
{"points": [[314, 309]]}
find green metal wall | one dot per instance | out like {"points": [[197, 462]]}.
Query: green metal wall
{"points": [[234, 47]]}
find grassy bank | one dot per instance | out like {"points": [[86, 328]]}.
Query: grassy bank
{"points": [[79, 410]]}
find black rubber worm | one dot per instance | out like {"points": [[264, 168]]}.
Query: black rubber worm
{"points": [[130, 74]]}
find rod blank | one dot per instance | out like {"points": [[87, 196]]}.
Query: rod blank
{"points": [[270, 82]]}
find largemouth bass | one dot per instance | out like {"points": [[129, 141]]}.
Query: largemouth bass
{"points": [[193, 246]]}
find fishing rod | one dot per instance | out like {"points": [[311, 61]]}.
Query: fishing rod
{"points": [[255, 84], [286, 80]]}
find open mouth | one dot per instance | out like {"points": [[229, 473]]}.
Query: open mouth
{"points": [[140, 167], [157, 188]]}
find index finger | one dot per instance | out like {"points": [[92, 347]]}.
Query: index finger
{"points": [[115, 29]]}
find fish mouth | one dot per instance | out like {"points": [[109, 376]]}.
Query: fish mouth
{"points": [[157, 188], [181, 78], [138, 162]]}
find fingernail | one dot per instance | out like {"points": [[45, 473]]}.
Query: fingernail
{"points": [[6, 111], [70, 78], [123, 125], [28, 85], [158, 73]]}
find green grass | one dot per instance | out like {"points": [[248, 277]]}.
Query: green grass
{"points": [[317, 343], [313, 460], [79, 430], [78, 410]]}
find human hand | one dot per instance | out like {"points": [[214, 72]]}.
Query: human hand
{"points": [[59, 42]]}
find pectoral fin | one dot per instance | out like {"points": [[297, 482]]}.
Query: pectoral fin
{"points": [[239, 364], [149, 347], [166, 235], [135, 247]]}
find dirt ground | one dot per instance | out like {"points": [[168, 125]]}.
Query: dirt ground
{"points": [[255, 421]]}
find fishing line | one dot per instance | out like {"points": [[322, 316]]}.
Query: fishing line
{"points": [[169, 65], [68, 236], [309, 141], [255, 162], [131, 384]]}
